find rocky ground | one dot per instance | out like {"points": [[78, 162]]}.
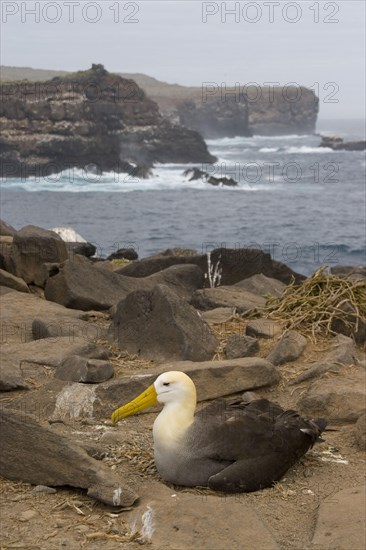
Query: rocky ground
{"points": [[71, 479]]}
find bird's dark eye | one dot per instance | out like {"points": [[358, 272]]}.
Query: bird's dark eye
{"points": [[166, 383]]}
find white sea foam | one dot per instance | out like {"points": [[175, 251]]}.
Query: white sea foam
{"points": [[304, 149], [268, 150]]}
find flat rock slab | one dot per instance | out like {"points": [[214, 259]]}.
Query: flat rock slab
{"points": [[33, 453], [227, 296], [213, 379], [11, 281], [338, 398], [218, 316], [56, 326], [183, 521], [288, 348], [48, 352], [341, 521], [262, 285], [60, 400], [18, 311], [263, 328]]}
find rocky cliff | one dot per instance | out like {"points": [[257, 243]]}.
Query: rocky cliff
{"points": [[215, 110], [88, 118]]}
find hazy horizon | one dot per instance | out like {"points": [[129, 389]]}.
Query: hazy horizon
{"points": [[320, 45]]}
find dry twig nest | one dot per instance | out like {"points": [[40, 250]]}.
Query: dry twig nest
{"points": [[313, 306]]}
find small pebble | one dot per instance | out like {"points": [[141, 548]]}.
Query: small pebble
{"points": [[44, 489], [27, 515], [82, 528]]}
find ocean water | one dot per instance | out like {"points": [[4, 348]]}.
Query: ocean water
{"points": [[304, 204]]}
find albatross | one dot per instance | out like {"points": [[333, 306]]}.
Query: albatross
{"points": [[230, 446]]}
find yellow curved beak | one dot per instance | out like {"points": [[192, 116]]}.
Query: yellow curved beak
{"points": [[146, 399]]}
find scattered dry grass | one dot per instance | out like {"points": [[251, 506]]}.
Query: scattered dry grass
{"points": [[312, 306], [236, 326], [124, 362]]}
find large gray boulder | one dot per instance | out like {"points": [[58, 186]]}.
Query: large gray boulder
{"points": [[79, 284], [159, 325], [33, 453], [34, 247]]}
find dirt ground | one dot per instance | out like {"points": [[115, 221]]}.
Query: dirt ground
{"points": [[69, 519]]}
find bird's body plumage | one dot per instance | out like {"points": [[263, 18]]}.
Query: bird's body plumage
{"points": [[229, 446]]}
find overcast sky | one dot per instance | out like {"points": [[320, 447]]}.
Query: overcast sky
{"points": [[316, 44]]}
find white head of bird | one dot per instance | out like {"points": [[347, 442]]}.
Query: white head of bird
{"points": [[176, 391]]}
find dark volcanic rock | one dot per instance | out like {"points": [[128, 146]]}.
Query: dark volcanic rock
{"points": [[83, 249], [289, 348], [337, 144], [32, 248], [239, 345], [124, 253], [87, 371], [33, 453], [159, 325], [236, 264], [91, 120], [349, 323], [197, 174], [262, 285], [81, 285]]}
